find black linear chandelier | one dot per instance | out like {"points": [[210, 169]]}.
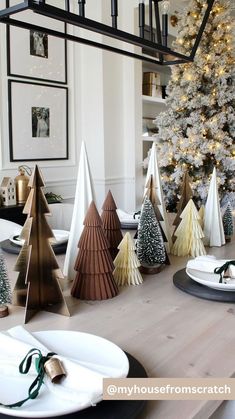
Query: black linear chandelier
{"points": [[152, 38]]}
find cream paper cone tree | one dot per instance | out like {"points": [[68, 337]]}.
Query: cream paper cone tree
{"points": [[189, 233], [37, 287], [83, 196], [126, 264], [153, 169], [213, 224]]}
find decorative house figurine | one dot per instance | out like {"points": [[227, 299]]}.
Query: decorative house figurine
{"points": [[8, 191]]}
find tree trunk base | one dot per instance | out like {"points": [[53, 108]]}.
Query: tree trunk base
{"points": [[228, 239], [151, 270]]}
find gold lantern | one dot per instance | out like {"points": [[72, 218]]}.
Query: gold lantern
{"points": [[21, 182]]}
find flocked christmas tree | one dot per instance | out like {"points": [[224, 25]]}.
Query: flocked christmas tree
{"points": [[189, 233], [94, 265], [37, 287], [5, 289], [199, 125], [111, 224], [126, 263], [228, 222], [150, 246]]}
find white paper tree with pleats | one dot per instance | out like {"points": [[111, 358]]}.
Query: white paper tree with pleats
{"points": [[189, 233], [126, 264], [83, 196], [153, 169], [213, 224]]}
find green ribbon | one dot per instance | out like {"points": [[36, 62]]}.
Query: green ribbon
{"points": [[24, 367], [223, 268]]}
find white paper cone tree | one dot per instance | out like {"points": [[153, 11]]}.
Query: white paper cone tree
{"points": [[83, 196], [5, 289], [153, 169], [213, 224], [126, 264], [189, 233], [150, 246]]}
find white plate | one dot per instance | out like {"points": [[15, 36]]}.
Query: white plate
{"points": [[61, 236], [86, 349], [210, 280]]}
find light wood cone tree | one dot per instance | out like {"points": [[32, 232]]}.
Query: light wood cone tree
{"points": [[126, 264], [94, 265], [37, 287], [189, 233], [151, 194], [111, 224], [186, 194], [201, 213]]}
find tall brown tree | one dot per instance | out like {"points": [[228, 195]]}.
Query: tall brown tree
{"points": [[37, 287], [111, 224]]}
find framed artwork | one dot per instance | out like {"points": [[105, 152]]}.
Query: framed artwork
{"points": [[35, 55], [38, 121]]}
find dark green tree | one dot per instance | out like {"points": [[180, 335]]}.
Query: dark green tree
{"points": [[5, 289], [228, 222], [150, 245]]}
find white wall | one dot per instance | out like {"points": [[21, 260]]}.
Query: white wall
{"points": [[104, 111]]}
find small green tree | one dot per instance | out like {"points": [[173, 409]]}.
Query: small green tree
{"points": [[228, 221], [5, 289], [150, 245]]}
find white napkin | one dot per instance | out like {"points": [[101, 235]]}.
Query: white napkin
{"points": [[208, 263], [126, 217], [81, 385]]}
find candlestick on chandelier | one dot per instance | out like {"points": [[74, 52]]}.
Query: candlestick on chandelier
{"points": [[165, 9], [114, 12], [81, 7], [141, 18]]}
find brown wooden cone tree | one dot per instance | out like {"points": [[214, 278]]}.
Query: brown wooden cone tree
{"points": [[111, 224], [94, 265], [151, 194], [186, 194], [37, 287]]}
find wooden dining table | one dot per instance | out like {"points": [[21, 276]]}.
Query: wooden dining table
{"points": [[172, 334]]}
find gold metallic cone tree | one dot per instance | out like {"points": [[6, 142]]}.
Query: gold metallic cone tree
{"points": [[186, 194], [37, 287]]}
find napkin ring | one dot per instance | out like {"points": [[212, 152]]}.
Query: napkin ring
{"points": [[54, 369]]}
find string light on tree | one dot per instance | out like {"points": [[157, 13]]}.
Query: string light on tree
{"points": [[199, 126]]}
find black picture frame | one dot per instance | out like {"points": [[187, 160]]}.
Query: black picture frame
{"points": [[32, 66], [46, 139]]}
